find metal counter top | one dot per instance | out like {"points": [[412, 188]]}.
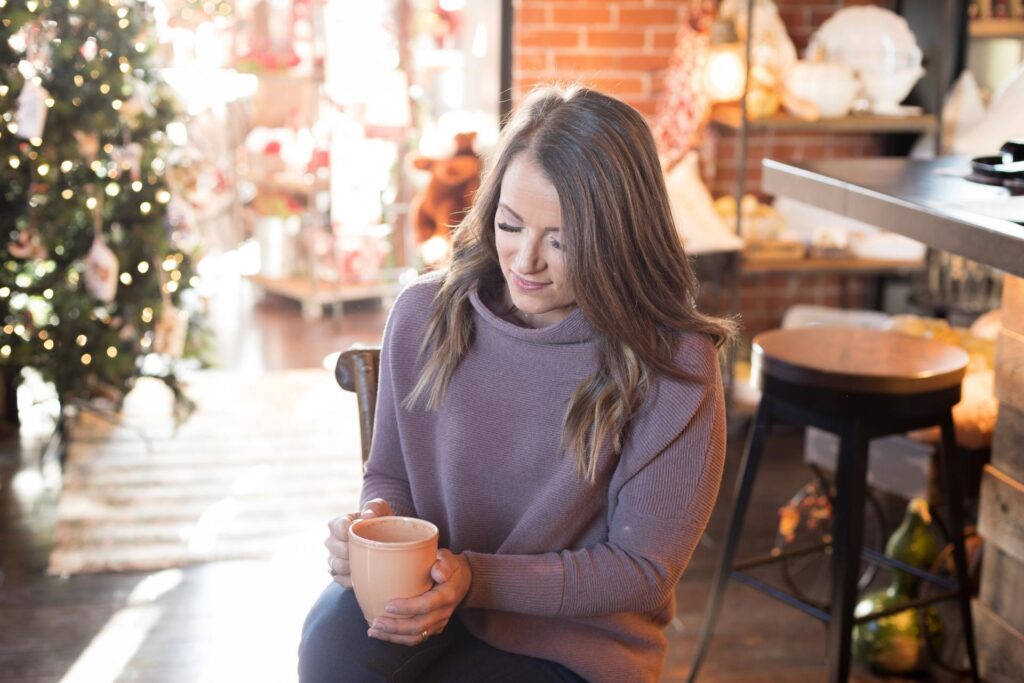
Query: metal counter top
{"points": [[928, 201]]}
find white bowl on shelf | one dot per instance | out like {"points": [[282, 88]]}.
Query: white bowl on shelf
{"points": [[830, 87], [878, 45], [887, 90]]}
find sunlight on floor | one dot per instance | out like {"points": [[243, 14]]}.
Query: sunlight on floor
{"points": [[120, 638], [255, 616]]}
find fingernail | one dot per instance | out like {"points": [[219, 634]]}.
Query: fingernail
{"points": [[391, 608], [372, 633]]}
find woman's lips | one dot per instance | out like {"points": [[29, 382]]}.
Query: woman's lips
{"points": [[528, 285]]}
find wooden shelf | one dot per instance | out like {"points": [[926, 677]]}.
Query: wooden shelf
{"points": [[849, 266], [728, 116], [290, 184], [996, 28], [314, 295]]}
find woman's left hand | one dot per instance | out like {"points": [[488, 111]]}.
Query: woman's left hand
{"points": [[428, 613]]}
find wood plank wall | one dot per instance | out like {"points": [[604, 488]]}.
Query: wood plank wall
{"points": [[999, 610]]}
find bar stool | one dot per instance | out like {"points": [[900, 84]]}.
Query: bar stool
{"points": [[859, 384]]}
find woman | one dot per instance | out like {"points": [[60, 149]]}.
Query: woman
{"points": [[553, 404]]}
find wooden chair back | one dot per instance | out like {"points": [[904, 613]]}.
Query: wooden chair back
{"points": [[357, 371]]}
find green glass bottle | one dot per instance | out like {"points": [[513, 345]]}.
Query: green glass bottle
{"points": [[895, 644]]}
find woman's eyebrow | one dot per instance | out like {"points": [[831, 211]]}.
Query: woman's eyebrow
{"points": [[520, 218]]}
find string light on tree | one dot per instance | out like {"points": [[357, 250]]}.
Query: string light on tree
{"points": [[86, 358]]}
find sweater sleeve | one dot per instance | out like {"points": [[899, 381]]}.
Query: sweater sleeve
{"points": [[660, 514], [386, 476]]}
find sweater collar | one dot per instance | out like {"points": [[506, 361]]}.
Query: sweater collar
{"points": [[574, 329]]}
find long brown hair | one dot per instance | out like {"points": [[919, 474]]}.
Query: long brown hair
{"points": [[624, 259]]}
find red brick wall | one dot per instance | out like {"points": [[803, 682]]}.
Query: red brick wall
{"points": [[623, 47], [620, 46]]}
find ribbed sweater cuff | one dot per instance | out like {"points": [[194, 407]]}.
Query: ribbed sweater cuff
{"points": [[526, 584]]}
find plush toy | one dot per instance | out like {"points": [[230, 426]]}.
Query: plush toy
{"points": [[449, 194]]}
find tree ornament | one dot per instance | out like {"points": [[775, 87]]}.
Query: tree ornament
{"points": [[31, 113], [129, 158], [101, 268], [101, 263], [139, 103], [28, 246], [171, 330], [89, 49], [88, 144]]}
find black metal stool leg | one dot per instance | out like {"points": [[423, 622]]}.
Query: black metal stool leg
{"points": [[848, 533], [954, 511], [741, 498]]}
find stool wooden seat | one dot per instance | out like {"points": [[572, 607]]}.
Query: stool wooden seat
{"points": [[857, 360], [859, 384]]}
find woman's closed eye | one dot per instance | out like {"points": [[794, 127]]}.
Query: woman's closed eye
{"points": [[515, 228]]}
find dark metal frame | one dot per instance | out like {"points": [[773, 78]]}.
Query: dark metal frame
{"points": [[505, 94], [856, 418]]}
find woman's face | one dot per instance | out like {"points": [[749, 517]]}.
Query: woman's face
{"points": [[527, 233]]}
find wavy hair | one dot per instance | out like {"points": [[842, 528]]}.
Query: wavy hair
{"points": [[624, 259]]}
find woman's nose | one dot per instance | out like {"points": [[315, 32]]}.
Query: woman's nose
{"points": [[528, 257]]}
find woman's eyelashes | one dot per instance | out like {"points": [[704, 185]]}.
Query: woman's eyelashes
{"points": [[514, 228]]}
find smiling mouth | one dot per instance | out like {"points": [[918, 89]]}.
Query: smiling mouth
{"points": [[523, 283]]}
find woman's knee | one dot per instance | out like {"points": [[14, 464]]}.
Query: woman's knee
{"points": [[330, 637], [335, 648]]}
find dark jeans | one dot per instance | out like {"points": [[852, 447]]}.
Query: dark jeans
{"points": [[335, 648]]}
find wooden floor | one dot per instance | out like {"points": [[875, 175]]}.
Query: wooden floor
{"points": [[236, 621]]}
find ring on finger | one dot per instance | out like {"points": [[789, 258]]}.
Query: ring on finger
{"points": [[424, 636], [330, 566]]}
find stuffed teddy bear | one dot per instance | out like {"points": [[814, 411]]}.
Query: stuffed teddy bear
{"points": [[449, 194]]}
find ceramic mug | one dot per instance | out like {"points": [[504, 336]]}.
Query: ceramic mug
{"points": [[389, 558]]}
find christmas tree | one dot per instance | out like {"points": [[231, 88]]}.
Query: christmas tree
{"points": [[93, 273]]}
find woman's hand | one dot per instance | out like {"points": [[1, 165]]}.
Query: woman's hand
{"points": [[337, 541], [414, 620]]}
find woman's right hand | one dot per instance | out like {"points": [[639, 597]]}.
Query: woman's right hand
{"points": [[337, 541]]}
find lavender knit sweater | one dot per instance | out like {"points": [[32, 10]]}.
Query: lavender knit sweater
{"points": [[581, 574]]}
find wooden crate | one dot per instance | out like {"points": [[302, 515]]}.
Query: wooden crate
{"points": [[1001, 647], [1002, 585], [1008, 442]]}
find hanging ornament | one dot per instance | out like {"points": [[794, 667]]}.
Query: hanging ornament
{"points": [[685, 108], [101, 268], [88, 144], [31, 114], [129, 158], [28, 246], [139, 103], [38, 44], [89, 49], [171, 330], [101, 264]]}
